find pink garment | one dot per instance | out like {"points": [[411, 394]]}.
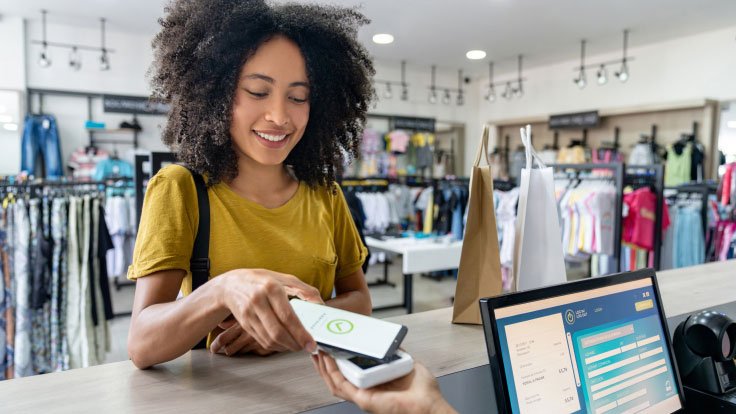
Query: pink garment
{"points": [[399, 139], [726, 241], [726, 191], [639, 223], [371, 142]]}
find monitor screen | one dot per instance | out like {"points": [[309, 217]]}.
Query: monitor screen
{"points": [[597, 351]]}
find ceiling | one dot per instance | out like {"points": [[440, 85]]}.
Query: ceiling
{"points": [[440, 31]]}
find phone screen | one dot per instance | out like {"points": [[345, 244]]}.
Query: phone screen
{"points": [[348, 331]]}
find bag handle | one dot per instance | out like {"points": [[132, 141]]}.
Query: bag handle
{"points": [[531, 154], [483, 147]]}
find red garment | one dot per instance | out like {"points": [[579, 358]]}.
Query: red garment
{"points": [[726, 185], [638, 225]]}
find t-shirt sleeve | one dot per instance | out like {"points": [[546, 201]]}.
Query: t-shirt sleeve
{"points": [[351, 252], [168, 224]]}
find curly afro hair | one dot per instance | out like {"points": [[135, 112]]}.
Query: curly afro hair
{"points": [[198, 55]]}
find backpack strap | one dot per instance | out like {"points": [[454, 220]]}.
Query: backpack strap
{"points": [[199, 265]]}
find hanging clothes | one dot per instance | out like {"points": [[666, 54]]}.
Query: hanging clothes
{"points": [[41, 138], [679, 165]]}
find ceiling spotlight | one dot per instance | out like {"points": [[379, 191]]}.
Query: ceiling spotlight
{"points": [[475, 54], [508, 93], [460, 99], [433, 88], [446, 97], [623, 74], [75, 59], [387, 94], [44, 59], [519, 90], [383, 38], [491, 95], [580, 80], [602, 75], [404, 86], [104, 59]]}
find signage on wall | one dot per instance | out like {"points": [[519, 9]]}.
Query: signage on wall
{"points": [[580, 120], [133, 105], [417, 124]]}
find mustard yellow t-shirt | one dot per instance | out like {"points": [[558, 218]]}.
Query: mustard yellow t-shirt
{"points": [[312, 236]]}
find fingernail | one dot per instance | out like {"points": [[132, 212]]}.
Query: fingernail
{"points": [[311, 347]]}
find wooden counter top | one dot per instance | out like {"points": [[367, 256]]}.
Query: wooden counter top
{"points": [[201, 382]]}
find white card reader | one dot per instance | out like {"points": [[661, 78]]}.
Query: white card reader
{"points": [[367, 372]]}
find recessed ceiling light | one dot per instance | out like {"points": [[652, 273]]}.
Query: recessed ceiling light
{"points": [[11, 127], [732, 124], [475, 54], [383, 38]]}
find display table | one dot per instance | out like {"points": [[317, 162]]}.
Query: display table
{"points": [[201, 382], [417, 256]]}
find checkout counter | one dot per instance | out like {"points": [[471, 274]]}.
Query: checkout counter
{"points": [[201, 382]]}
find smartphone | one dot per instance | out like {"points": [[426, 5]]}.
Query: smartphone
{"points": [[350, 332]]}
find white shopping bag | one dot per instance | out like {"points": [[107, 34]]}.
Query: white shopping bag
{"points": [[538, 258]]}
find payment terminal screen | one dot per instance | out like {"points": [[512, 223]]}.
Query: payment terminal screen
{"points": [[598, 351]]}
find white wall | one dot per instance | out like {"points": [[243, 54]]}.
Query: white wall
{"points": [[693, 67], [12, 82], [129, 63], [419, 80]]}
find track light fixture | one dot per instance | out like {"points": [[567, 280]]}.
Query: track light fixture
{"points": [[104, 59], [433, 88], [388, 94], [404, 86], [623, 74], [44, 60], [519, 90], [602, 75], [75, 56], [508, 93], [75, 60], [460, 98], [580, 80], [491, 95], [446, 97]]}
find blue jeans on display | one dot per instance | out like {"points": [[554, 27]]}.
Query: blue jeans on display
{"points": [[40, 135]]}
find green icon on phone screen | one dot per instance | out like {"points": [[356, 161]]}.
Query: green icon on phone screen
{"points": [[339, 326]]}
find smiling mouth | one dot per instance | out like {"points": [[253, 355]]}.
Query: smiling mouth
{"points": [[271, 137]]}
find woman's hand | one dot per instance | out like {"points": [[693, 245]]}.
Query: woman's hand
{"points": [[234, 340], [258, 300], [417, 392]]}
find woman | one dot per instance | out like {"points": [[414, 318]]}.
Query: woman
{"points": [[265, 100]]}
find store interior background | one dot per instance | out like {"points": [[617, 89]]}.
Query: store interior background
{"points": [[683, 71]]}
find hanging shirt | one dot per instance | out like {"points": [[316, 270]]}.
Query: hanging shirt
{"points": [[678, 168], [638, 225], [398, 140], [83, 162], [112, 167]]}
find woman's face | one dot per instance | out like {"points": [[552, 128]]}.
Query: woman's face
{"points": [[271, 106]]}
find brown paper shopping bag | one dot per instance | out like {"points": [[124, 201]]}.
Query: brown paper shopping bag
{"points": [[479, 274]]}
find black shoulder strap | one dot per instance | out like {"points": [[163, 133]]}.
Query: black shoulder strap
{"points": [[199, 264]]}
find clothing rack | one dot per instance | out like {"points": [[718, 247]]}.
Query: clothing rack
{"points": [[89, 96], [156, 161], [653, 177], [704, 189], [618, 179]]}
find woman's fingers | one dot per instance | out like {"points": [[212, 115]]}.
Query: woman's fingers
{"points": [[278, 333], [230, 334]]}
